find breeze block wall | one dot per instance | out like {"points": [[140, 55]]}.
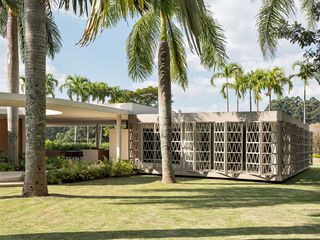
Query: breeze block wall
{"points": [[266, 146]]}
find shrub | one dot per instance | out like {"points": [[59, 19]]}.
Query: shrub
{"points": [[61, 146], [78, 171], [5, 167]]}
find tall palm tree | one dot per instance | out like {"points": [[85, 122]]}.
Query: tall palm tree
{"points": [[271, 16], [12, 27], [35, 68], [275, 82], [79, 87], [252, 82], [204, 36], [51, 84], [35, 183], [156, 28], [229, 71], [305, 73], [237, 86]]}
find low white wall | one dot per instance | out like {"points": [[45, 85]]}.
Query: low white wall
{"points": [[124, 144]]}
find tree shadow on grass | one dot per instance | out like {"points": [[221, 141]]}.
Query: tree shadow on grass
{"points": [[133, 180], [206, 198], [172, 233]]}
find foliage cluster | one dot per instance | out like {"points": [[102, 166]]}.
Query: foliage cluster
{"points": [[78, 171], [294, 107]]}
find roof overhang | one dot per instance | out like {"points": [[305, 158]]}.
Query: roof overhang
{"points": [[66, 111]]}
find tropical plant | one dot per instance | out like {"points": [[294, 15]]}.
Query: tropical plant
{"points": [[12, 27], [156, 27], [275, 82], [237, 85], [272, 16], [35, 46], [51, 84], [229, 71], [99, 92], [305, 73], [78, 87]]}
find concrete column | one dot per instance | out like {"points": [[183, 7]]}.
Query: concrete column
{"points": [[97, 136], [118, 138]]}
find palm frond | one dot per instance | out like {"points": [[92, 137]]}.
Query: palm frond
{"points": [[271, 16], [79, 7], [308, 7], [141, 46], [54, 44], [189, 16], [106, 13], [178, 56], [213, 54], [3, 22]]}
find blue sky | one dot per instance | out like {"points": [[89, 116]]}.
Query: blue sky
{"points": [[105, 59]]}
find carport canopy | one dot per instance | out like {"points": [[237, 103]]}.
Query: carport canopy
{"points": [[67, 112]]}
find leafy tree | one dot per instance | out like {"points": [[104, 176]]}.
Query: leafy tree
{"points": [[272, 15], [307, 39], [229, 71], [305, 74], [294, 106], [156, 28]]}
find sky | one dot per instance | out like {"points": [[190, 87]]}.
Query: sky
{"points": [[105, 59]]}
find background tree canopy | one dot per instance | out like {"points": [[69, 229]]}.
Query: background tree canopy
{"points": [[294, 107]]}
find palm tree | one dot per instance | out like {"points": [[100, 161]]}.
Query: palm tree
{"points": [[275, 81], [35, 67], [12, 27], [271, 17], [229, 71], [305, 73], [237, 86], [156, 27], [35, 182], [51, 84], [100, 91], [78, 87], [204, 36]]}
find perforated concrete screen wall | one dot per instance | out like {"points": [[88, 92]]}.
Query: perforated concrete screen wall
{"points": [[268, 146]]}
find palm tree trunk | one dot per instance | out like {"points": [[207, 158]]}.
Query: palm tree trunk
{"points": [[237, 104], [13, 87], [164, 94], [257, 103], [304, 102], [269, 100], [250, 99], [227, 94], [35, 182]]}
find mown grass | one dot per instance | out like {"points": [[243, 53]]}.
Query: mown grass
{"points": [[140, 207]]}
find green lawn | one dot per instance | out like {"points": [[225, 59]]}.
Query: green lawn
{"points": [[140, 207]]}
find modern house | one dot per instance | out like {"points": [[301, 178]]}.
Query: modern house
{"points": [[267, 146]]}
